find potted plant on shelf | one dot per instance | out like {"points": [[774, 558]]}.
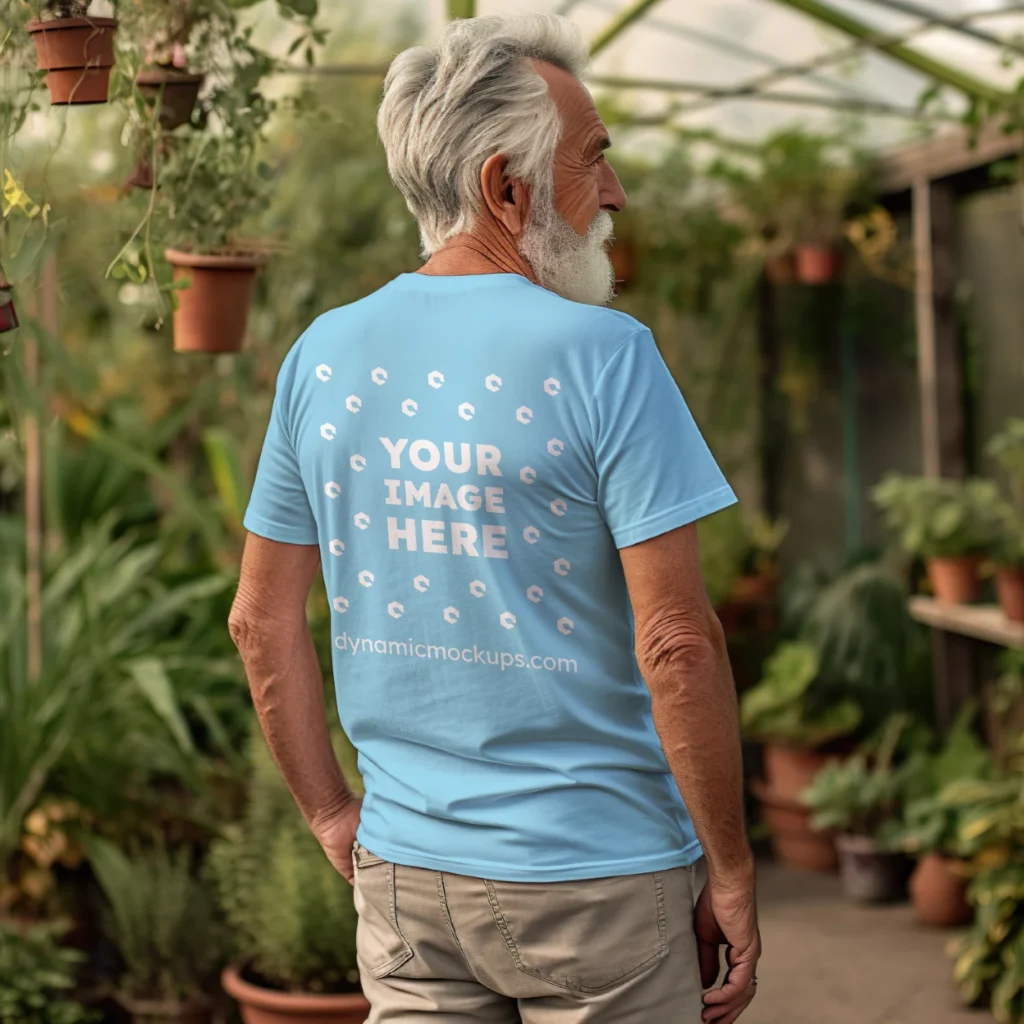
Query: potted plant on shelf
{"points": [[932, 822], [952, 524], [161, 920], [1007, 448], [292, 914], [797, 723], [76, 50], [859, 800]]}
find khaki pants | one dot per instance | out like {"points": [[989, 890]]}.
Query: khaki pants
{"points": [[461, 950]]}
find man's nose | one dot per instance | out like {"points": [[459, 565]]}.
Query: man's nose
{"points": [[612, 195]]}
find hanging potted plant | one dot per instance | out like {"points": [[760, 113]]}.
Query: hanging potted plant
{"points": [[76, 50], [796, 722], [1007, 448], [161, 919], [952, 524], [858, 801], [208, 185], [292, 914]]}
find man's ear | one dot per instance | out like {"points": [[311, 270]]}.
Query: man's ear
{"points": [[507, 199]]}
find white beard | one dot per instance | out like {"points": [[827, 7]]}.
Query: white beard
{"points": [[575, 266]]}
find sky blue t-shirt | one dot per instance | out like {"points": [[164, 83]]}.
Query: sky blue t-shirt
{"points": [[469, 454]]}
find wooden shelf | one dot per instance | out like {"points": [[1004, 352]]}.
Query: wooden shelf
{"points": [[980, 621]]}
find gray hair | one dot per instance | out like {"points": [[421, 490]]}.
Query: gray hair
{"points": [[448, 108]]}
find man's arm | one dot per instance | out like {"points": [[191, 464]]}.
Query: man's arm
{"points": [[269, 628], [681, 651]]}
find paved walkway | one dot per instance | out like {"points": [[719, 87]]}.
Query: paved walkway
{"points": [[827, 961]]}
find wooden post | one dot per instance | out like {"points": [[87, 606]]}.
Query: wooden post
{"points": [[940, 376], [46, 314]]}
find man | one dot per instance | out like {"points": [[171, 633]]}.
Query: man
{"points": [[500, 480]]}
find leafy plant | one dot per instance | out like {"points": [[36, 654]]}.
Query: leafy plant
{"points": [[103, 721], [864, 794], [786, 707], [733, 545], [291, 912], [37, 976], [933, 820], [942, 518], [869, 648], [1007, 449], [798, 188], [162, 921], [989, 969]]}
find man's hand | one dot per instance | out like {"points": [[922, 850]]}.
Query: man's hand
{"points": [[337, 835], [727, 916]]}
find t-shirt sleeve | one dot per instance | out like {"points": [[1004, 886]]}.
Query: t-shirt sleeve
{"points": [[655, 471], [279, 506]]}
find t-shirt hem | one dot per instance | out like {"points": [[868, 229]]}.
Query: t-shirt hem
{"points": [[275, 531], [673, 518], [684, 857]]}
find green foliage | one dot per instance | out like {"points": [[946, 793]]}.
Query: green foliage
{"points": [[869, 649], [989, 969], [734, 544], [934, 818], [798, 188], [37, 976], [863, 794], [127, 685], [941, 517], [161, 920], [291, 912], [1007, 449], [784, 707]]}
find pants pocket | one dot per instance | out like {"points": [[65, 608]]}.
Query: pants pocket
{"points": [[586, 936], [380, 946]]}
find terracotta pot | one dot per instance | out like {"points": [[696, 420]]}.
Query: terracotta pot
{"points": [[155, 1011], [955, 580], [213, 309], [788, 771], [794, 842], [1010, 588], [780, 270], [266, 1006], [78, 53], [871, 875], [939, 893], [176, 91], [818, 264], [8, 314]]}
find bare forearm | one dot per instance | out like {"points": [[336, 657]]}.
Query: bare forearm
{"points": [[695, 714], [287, 691]]}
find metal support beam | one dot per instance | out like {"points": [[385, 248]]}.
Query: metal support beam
{"points": [[622, 21], [461, 9], [852, 104], [724, 45], [940, 72], [953, 24]]}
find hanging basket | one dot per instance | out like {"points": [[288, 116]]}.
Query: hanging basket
{"points": [[213, 310], [818, 264], [78, 54], [176, 92], [8, 314]]}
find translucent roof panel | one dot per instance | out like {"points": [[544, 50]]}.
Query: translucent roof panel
{"points": [[710, 50]]}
